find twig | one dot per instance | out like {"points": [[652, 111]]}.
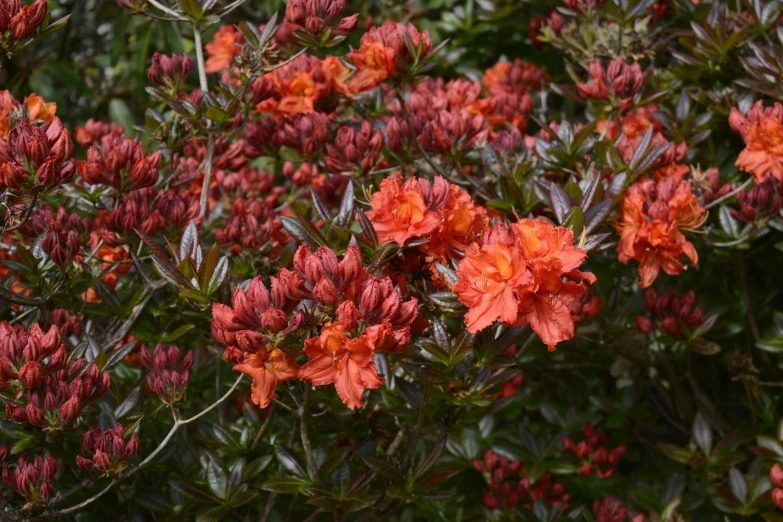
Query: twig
{"points": [[729, 195], [264, 426], [150, 457], [204, 203], [314, 515]]}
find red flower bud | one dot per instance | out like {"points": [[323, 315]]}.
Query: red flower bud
{"points": [[71, 408], [30, 374], [776, 475]]}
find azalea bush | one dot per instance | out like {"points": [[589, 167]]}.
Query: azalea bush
{"points": [[435, 260]]}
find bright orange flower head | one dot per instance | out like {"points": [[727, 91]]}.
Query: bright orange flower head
{"points": [[521, 276], [337, 75], [346, 363], [461, 223], [399, 211], [652, 217], [294, 88], [491, 277], [267, 369], [39, 109], [374, 63], [763, 153], [221, 51]]}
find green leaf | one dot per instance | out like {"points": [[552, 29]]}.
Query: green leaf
{"points": [[120, 113], [284, 485], [217, 480], [771, 344]]}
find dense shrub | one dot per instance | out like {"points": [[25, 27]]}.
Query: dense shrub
{"points": [[432, 260]]}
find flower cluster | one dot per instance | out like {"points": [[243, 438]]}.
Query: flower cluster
{"points": [[592, 451], [653, 216], [524, 274], [255, 327], [383, 53], [107, 449], [443, 213], [762, 131]]}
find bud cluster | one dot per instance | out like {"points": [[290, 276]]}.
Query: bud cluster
{"points": [[31, 478], [619, 81], [251, 226], [670, 312], [169, 371], [56, 390], [759, 202], [321, 18], [36, 158], [593, 453], [107, 449], [500, 473], [121, 163], [19, 22], [354, 150], [612, 510], [170, 72], [776, 477]]}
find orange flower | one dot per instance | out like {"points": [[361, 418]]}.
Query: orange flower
{"points": [[221, 51], [551, 255], [517, 277], [491, 277], [399, 211], [337, 75], [675, 171], [39, 109], [374, 63], [461, 223], [267, 369], [652, 215], [763, 153], [348, 363]]}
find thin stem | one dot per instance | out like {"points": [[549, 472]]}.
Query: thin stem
{"points": [[304, 413], [202, 70], [204, 204], [314, 515], [729, 195], [264, 426]]}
